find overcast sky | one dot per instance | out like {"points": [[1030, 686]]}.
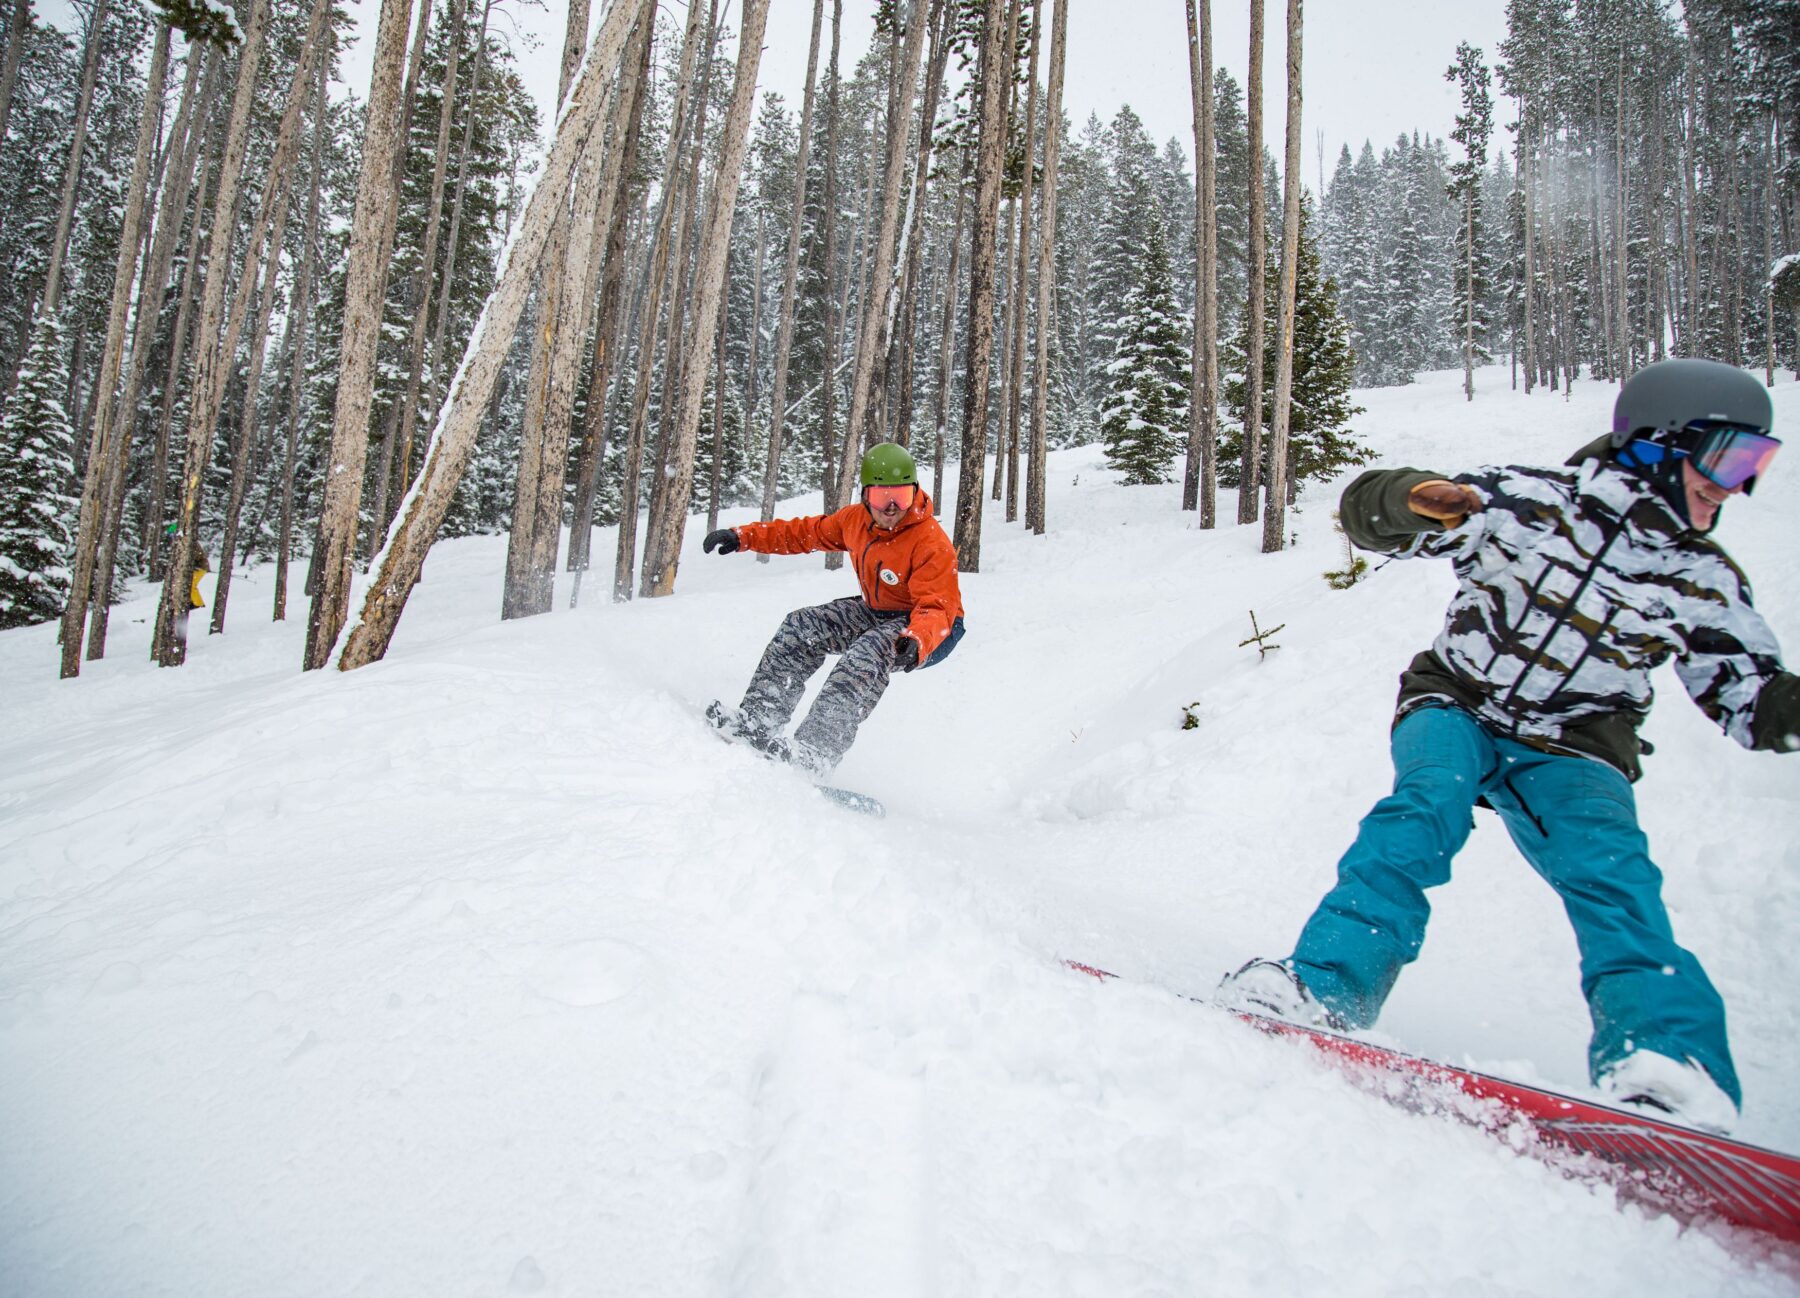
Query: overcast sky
{"points": [[1371, 70]]}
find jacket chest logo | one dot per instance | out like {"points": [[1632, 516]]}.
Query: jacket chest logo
{"points": [[888, 576]]}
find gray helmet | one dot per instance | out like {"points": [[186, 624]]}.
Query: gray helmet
{"points": [[1668, 396]]}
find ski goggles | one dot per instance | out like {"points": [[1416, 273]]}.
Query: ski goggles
{"points": [[879, 498], [1732, 455], [1728, 455]]}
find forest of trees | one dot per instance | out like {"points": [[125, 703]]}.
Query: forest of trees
{"points": [[252, 323]]}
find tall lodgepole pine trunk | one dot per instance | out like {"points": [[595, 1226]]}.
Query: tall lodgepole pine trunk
{"points": [[421, 295], [829, 330], [1037, 466], [248, 423], [621, 166], [296, 350], [663, 545], [1021, 283], [365, 279], [65, 212], [446, 282], [1200, 483], [198, 240], [452, 442], [212, 352], [1275, 508], [784, 332], [1250, 476], [390, 423], [716, 476], [177, 180], [947, 342], [661, 271], [18, 24], [871, 345], [996, 70], [936, 59], [676, 355], [530, 584], [92, 522]]}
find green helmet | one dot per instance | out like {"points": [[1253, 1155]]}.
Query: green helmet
{"points": [[888, 465]]}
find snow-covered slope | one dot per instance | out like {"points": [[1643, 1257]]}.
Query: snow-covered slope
{"points": [[487, 969]]}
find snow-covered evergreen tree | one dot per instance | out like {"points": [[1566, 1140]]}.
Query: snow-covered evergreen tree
{"points": [[1321, 442], [1145, 423], [37, 483]]}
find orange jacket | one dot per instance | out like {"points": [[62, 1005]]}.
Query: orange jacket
{"points": [[912, 568]]}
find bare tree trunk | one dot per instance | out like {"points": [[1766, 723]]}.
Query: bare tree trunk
{"points": [[365, 279], [894, 377], [178, 173], [397, 567], [212, 356], [433, 366], [1275, 515], [676, 355], [249, 424], [65, 212], [621, 162], [936, 60], [784, 329], [1623, 238], [871, 344], [718, 416], [297, 325], [1769, 258], [1250, 476], [1038, 465], [1199, 488], [661, 270], [828, 379], [92, 522], [198, 241], [947, 345], [1021, 283], [530, 585], [996, 69], [1697, 291], [663, 545], [9, 66], [1528, 175], [421, 295]]}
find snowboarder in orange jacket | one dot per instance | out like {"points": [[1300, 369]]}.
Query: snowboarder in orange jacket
{"points": [[909, 614]]}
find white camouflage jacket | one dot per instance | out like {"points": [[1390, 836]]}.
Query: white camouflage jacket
{"points": [[1574, 584]]}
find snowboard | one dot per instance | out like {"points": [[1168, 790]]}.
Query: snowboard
{"points": [[1686, 1173], [849, 799]]}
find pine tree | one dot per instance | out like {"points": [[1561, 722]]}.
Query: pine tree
{"points": [[1321, 443], [1474, 126], [1145, 422], [37, 479]]}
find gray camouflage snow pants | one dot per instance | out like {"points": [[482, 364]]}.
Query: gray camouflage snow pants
{"points": [[864, 638]]}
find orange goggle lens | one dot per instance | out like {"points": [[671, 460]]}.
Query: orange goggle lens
{"points": [[883, 497]]}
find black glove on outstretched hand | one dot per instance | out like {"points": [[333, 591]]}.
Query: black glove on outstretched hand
{"points": [[724, 541], [906, 651]]}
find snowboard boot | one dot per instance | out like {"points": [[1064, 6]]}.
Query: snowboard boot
{"points": [[1675, 1090], [781, 748], [735, 726], [1272, 989]]}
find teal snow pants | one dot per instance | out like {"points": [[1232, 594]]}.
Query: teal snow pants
{"points": [[1575, 820]]}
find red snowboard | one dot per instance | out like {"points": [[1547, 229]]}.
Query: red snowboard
{"points": [[1672, 1168]]}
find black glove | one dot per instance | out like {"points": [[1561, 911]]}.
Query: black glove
{"points": [[725, 541], [906, 651]]}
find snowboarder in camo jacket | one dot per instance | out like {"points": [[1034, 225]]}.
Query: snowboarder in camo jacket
{"points": [[1574, 584], [909, 614]]}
